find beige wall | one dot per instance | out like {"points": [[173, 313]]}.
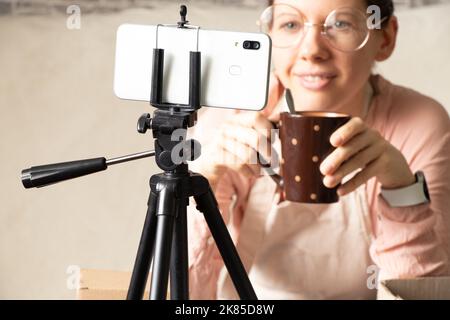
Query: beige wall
{"points": [[57, 104], [421, 59]]}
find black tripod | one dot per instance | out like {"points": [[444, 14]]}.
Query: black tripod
{"points": [[164, 236], [165, 229]]}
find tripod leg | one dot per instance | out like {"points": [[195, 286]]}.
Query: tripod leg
{"points": [[165, 215], [179, 277], [207, 204], [144, 254]]}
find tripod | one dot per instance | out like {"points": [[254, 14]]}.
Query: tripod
{"points": [[164, 236]]}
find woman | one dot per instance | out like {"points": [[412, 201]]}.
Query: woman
{"points": [[329, 251]]}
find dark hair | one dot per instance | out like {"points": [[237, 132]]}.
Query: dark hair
{"points": [[386, 7]]}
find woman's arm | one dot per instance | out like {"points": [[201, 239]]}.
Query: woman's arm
{"points": [[414, 241]]}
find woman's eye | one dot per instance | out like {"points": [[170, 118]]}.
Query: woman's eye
{"points": [[342, 25], [290, 26]]}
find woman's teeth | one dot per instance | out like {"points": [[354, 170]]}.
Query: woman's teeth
{"points": [[315, 78], [315, 82]]}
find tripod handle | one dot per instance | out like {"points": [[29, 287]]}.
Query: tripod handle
{"points": [[41, 176]]}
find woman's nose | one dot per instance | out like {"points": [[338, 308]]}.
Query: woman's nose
{"points": [[312, 46]]}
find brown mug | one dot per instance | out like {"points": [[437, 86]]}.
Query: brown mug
{"points": [[305, 143]]}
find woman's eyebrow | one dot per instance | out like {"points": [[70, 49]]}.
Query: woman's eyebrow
{"points": [[285, 14], [347, 15]]}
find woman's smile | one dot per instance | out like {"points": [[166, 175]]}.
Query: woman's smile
{"points": [[315, 81]]}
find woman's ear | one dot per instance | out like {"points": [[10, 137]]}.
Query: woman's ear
{"points": [[388, 38]]}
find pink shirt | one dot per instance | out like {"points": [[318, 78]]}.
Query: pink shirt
{"points": [[406, 242]]}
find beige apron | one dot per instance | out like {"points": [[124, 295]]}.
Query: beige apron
{"points": [[304, 251]]}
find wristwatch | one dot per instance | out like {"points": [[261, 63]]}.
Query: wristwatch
{"points": [[412, 195]]}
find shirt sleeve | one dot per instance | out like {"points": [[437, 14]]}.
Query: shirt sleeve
{"points": [[414, 241]]}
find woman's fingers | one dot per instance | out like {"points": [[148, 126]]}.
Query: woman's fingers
{"points": [[238, 156], [252, 119], [358, 161], [360, 178], [250, 138], [347, 131], [348, 150], [253, 129]]}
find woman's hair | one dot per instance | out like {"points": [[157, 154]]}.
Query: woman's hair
{"points": [[386, 8]]}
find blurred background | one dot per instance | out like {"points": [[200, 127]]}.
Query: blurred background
{"points": [[57, 104]]}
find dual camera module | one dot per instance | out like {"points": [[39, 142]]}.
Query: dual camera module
{"points": [[251, 45]]}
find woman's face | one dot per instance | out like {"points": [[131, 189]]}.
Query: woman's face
{"points": [[320, 76]]}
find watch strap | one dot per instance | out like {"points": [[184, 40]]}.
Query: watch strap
{"points": [[407, 196]]}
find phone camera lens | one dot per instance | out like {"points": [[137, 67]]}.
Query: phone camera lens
{"points": [[251, 45]]}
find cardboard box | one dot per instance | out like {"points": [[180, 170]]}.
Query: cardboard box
{"points": [[104, 285], [432, 288], [113, 285]]}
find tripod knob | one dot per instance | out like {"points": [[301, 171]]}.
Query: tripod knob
{"points": [[144, 123]]}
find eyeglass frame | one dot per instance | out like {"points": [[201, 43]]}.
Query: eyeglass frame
{"points": [[323, 26]]}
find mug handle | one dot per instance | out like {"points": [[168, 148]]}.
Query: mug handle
{"points": [[278, 179]]}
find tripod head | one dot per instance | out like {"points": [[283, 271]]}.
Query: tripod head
{"points": [[169, 131]]}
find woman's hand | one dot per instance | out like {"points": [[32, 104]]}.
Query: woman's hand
{"points": [[241, 137], [235, 143], [360, 147]]}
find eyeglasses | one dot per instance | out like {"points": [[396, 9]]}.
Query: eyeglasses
{"points": [[346, 29]]}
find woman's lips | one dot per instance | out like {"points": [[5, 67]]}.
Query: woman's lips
{"points": [[316, 81]]}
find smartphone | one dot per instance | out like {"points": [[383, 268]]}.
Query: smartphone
{"points": [[235, 65]]}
